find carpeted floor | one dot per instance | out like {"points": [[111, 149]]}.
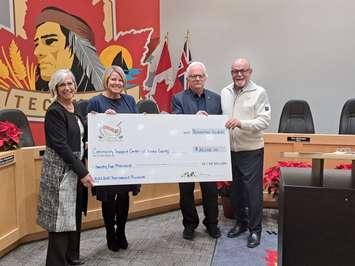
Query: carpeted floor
{"points": [[233, 251], [157, 240]]}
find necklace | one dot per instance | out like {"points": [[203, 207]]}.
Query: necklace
{"points": [[69, 107]]}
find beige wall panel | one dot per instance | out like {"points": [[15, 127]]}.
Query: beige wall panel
{"points": [[9, 227]]}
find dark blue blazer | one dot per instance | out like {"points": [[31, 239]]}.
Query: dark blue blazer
{"points": [[184, 103]]}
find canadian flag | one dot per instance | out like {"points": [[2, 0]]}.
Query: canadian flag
{"points": [[160, 83], [160, 77]]}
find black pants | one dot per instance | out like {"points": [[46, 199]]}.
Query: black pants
{"points": [[115, 212], [209, 202], [247, 188], [64, 246]]}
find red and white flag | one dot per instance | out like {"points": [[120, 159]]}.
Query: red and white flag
{"points": [[185, 60], [160, 77], [160, 83]]}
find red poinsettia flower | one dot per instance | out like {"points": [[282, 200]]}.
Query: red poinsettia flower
{"points": [[345, 166], [271, 178], [9, 136]]}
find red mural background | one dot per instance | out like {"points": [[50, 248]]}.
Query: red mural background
{"points": [[130, 27]]}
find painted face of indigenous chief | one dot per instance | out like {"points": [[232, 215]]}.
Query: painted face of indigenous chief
{"points": [[50, 49], [241, 73], [196, 77]]}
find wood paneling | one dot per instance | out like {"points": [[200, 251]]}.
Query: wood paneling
{"points": [[280, 142]]}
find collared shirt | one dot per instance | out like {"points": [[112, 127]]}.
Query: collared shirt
{"points": [[200, 100], [188, 102]]}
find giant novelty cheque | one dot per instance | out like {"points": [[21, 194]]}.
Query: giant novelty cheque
{"points": [[143, 148]]}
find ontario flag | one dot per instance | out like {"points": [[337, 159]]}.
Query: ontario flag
{"points": [[160, 79], [185, 60]]}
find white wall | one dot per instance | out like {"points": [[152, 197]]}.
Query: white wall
{"points": [[299, 49], [5, 16]]}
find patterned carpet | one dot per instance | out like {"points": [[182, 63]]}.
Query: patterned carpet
{"points": [[157, 240]]}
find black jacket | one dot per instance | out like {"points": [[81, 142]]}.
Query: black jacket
{"points": [[63, 136]]}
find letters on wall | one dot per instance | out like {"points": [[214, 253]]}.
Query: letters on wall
{"points": [[85, 37]]}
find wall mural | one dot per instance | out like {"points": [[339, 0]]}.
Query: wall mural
{"points": [[86, 37]]}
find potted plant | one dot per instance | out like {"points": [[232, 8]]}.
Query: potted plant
{"points": [[9, 136], [344, 166], [224, 190]]}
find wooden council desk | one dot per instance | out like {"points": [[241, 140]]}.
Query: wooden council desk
{"points": [[277, 143], [316, 212], [318, 159]]}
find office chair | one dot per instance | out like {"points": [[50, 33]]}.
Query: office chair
{"points": [[147, 106], [296, 117], [347, 118], [82, 108], [18, 118]]}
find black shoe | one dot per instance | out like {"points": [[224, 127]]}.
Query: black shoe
{"points": [[236, 231], [214, 231], [253, 240], [122, 241], [112, 243], [76, 262], [188, 233]]}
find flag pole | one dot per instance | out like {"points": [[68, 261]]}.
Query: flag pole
{"points": [[187, 52], [187, 37]]}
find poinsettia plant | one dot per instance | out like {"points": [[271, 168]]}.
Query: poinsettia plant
{"points": [[224, 188], [271, 178], [9, 136], [344, 166]]}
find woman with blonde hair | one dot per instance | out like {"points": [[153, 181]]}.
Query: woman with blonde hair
{"points": [[64, 177], [115, 198]]}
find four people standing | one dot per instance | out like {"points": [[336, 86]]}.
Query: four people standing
{"points": [[198, 100], [249, 112], [248, 107]]}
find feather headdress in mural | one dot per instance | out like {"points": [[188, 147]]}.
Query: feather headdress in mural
{"points": [[86, 54]]}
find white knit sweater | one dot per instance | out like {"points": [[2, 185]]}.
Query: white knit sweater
{"points": [[251, 106]]}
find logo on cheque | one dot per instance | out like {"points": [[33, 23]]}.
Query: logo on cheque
{"points": [[110, 133]]}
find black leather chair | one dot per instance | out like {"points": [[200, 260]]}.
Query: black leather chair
{"points": [[296, 117], [147, 106], [82, 108], [347, 118], [18, 118]]}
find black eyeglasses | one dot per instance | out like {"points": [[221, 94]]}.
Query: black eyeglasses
{"points": [[242, 71]]}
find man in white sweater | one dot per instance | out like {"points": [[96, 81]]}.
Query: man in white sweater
{"points": [[249, 111]]}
